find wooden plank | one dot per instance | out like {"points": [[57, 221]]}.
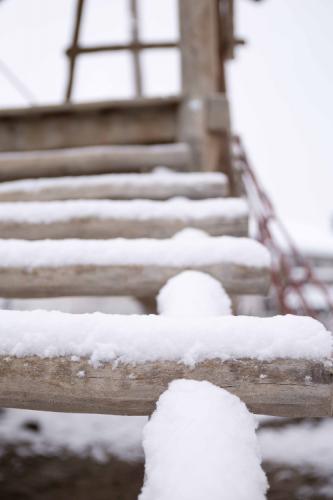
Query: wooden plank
{"points": [[282, 387], [92, 160], [117, 187], [113, 227], [134, 280], [96, 123]]}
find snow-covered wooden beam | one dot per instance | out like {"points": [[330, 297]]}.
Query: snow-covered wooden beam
{"points": [[139, 267], [92, 160], [158, 185], [128, 219], [115, 364]]}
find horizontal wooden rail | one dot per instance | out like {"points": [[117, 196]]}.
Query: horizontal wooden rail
{"points": [[118, 186], [132, 46], [135, 280], [92, 160], [130, 121], [103, 219], [283, 387]]}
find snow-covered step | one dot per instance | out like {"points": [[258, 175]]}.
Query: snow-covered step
{"points": [[128, 219], [160, 184], [101, 363], [92, 160], [138, 267]]}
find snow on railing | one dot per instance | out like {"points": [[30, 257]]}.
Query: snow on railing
{"points": [[200, 443]]}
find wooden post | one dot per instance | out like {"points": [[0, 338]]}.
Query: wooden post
{"points": [[203, 80], [136, 54], [200, 77], [73, 52]]}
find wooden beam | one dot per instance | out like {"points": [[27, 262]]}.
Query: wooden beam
{"points": [[134, 280], [75, 41], [92, 160], [113, 227], [118, 187], [135, 52], [131, 121], [282, 387], [200, 78], [115, 47]]}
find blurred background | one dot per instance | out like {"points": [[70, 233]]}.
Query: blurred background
{"points": [[279, 86]]}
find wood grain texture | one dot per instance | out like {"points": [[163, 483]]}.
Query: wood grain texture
{"points": [[134, 280], [131, 121], [283, 387], [97, 228], [92, 160], [125, 190]]}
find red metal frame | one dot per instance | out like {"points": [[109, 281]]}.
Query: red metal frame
{"points": [[285, 256]]}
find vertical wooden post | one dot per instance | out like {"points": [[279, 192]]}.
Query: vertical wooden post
{"points": [[136, 54], [202, 81], [73, 49], [199, 44]]}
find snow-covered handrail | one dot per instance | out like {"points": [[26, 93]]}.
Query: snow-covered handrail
{"points": [[103, 363], [128, 267], [158, 185], [129, 219]]}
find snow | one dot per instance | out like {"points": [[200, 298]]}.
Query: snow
{"points": [[161, 175], [193, 293], [307, 445], [181, 208], [176, 252], [201, 443], [96, 436], [139, 338]]}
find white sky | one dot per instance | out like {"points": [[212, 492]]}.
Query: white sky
{"points": [[280, 83]]}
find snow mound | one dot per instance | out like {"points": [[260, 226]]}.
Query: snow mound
{"points": [[201, 443], [193, 293]]}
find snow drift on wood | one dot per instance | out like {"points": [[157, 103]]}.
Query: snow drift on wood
{"points": [[175, 251], [138, 338], [159, 176], [201, 443], [180, 208]]}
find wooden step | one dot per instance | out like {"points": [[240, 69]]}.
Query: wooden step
{"points": [[92, 160], [130, 121], [99, 363], [140, 267], [159, 185], [96, 219]]}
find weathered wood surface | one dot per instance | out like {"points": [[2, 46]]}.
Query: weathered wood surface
{"points": [[92, 160], [111, 227], [126, 189], [132, 121], [283, 387], [134, 280], [199, 43]]}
